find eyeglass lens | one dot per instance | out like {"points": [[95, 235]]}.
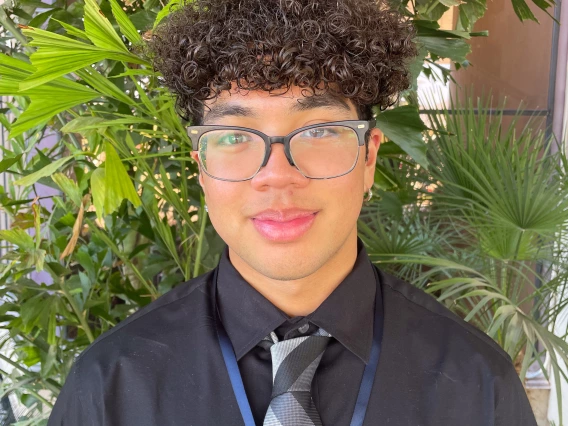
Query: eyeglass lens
{"points": [[319, 152]]}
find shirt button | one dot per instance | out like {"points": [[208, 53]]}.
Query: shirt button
{"points": [[304, 328]]}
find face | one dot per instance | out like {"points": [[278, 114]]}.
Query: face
{"points": [[270, 243]]}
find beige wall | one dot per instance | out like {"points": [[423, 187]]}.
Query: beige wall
{"points": [[513, 60]]}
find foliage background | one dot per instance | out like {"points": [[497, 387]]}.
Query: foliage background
{"points": [[460, 217]]}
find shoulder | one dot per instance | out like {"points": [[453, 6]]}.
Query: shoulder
{"points": [[187, 304], [430, 348], [152, 345], [432, 323]]}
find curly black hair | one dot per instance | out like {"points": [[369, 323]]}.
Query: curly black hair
{"points": [[358, 49]]}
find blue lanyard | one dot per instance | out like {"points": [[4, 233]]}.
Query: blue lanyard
{"points": [[366, 382]]}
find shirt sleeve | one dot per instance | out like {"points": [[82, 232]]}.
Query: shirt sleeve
{"points": [[67, 410], [512, 405]]}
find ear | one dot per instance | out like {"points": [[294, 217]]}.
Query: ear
{"points": [[195, 156], [375, 139]]}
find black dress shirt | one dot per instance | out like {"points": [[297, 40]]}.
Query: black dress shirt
{"points": [[163, 366]]}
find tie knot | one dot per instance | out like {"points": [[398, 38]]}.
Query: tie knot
{"points": [[294, 361]]}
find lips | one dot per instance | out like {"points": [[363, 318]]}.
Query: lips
{"points": [[284, 225]]}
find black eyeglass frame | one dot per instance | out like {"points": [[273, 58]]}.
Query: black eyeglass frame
{"points": [[361, 127]]}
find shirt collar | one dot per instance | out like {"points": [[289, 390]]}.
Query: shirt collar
{"points": [[347, 313]]}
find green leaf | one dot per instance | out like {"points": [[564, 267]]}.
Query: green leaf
{"points": [[21, 14], [12, 67], [80, 124], [51, 358], [470, 12], [71, 30], [98, 191], [118, 185], [28, 400], [425, 28], [32, 355], [40, 18], [403, 126], [100, 30], [35, 257], [168, 8], [523, 11], [48, 101], [126, 26], [417, 65], [104, 85], [58, 55], [454, 49], [46, 171], [143, 19], [6, 163], [18, 237], [544, 5], [35, 4], [68, 187], [9, 86], [451, 3]]}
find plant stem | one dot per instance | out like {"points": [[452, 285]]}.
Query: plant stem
{"points": [[13, 364], [30, 374], [200, 241], [503, 276], [79, 314], [71, 135], [431, 7], [94, 229], [41, 398], [37, 341], [509, 271]]}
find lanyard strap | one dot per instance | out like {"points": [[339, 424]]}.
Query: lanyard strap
{"points": [[368, 374]]}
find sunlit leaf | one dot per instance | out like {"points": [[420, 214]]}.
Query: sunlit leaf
{"points": [[126, 26], [98, 189], [46, 171], [99, 29], [58, 55], [18, 237], [118, 185], [168, 8]]}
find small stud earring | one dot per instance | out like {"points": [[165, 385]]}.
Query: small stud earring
{"points": [[369, 196], [206, 209]]}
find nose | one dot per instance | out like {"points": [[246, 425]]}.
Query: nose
{"points": [[278, 172]]}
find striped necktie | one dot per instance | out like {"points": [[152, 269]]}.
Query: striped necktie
{"points": [[294, 363]]}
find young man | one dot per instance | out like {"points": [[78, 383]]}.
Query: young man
{"points": [[295, 326]]}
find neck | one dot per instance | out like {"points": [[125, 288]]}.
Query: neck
{"points": [[302, 296]]}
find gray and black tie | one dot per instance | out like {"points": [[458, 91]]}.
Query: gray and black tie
{"points": [[294, 363]]}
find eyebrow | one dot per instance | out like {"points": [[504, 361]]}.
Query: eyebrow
{"points": [[326, 100]]}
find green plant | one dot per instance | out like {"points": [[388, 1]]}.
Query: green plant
{"points": [[494, 204]]}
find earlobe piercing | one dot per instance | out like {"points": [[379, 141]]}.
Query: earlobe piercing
{"points": [[369, 196]]}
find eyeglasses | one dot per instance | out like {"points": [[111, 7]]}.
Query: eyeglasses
{"points": [[318, 151]]}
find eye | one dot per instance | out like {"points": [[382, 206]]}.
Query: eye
{"points": [[232, 138], [318, 132]]}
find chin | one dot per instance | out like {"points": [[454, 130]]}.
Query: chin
{"points": [[288, 261], [285, 271]]}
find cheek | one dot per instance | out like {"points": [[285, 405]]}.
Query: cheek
{"points": [[348, 199], [344, 199], [225, 202]]}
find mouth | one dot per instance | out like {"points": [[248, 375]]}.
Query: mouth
{"points": [[284, 231]]}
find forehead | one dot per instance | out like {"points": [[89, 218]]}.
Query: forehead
{"points": [[292, 100]]}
